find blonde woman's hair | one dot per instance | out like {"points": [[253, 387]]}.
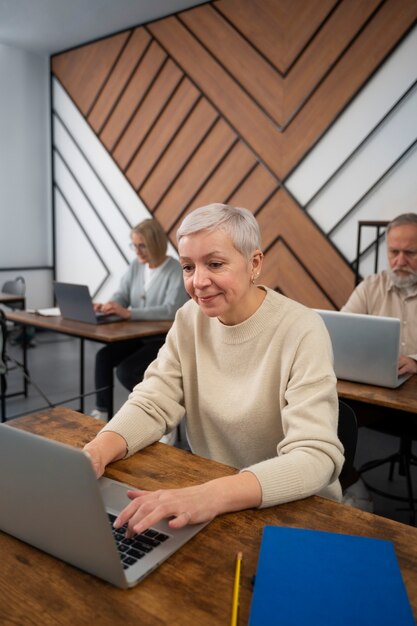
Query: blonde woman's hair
{"points": [[155, 238]]}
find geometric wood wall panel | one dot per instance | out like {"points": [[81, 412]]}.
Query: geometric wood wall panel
{"points": [[224, 102], [94, 205]]}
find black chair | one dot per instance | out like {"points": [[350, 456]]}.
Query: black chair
{"points": [[15, 287], [347, 431], [405, 428], [7, 364], [3, 365]]}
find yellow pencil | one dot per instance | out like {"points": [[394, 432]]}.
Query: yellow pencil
{"points": [[236, 588]]}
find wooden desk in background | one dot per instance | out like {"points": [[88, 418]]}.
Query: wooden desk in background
{"points": [[372, 403], [103, 333], [195, 585], [10, 298]]}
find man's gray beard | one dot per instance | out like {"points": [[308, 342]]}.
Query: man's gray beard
{"points": [[404, 282]]}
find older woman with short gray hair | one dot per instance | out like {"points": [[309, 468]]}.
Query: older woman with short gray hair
{"points": [[252, 372]]}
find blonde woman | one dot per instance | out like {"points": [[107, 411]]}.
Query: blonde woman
{"points": [[151, 289]]}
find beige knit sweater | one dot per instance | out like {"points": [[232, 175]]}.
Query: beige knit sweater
{"points": [[260, 395]]}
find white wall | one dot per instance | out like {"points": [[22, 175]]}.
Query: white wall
{"points": [[88, 254], [364, 167], [95, 205], [25, 172]]}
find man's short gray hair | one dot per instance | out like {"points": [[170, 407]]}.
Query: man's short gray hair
{"points": [[402, 220], [239, 224]]}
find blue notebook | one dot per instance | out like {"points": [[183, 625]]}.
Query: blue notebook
{"points": [[327, 579]]}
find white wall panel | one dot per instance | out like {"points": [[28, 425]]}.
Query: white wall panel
{"points": [[364, 167], [376, 130], [367, 166], [83, 172], [88, 221], [381, 93], [76, 260], [98, 206], [115, 181], [397, 194]]}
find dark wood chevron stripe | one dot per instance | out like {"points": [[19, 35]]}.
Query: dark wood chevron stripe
{"points": [[229, 175], [279, 30], [324, 53], [178, 153], [120, 77], [278, 97], [241, 112], [111, 73], [282, 217], [239, 176], [254, 190], [166, 128], [222, 102], [282, 151], [156, 99], [207, 172], [84, 71], [354, 69], [213, 147], [241, 61], [136, 90], [284, 272], [155, 74]]}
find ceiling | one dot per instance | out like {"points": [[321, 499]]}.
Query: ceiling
{"points": [[49, 26]]}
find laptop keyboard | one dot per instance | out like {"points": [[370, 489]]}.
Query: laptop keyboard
{"points": [[131, 550]]}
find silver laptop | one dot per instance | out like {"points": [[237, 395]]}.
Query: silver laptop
{"points": [[75, 303], [51, 499], [366, 348]]}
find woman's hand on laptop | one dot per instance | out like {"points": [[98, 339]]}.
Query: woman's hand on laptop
{"points": [[406, 365], [190, 505], [114, 308], [104, 449]]}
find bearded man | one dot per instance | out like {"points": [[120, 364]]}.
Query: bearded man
{"points": [[391, 293]]}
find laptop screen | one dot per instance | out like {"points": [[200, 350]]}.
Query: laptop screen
{"points": [[365, 347], [75, 303]]}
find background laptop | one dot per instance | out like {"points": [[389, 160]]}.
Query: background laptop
{"points": [[75, 303], [52, 500], [365, 347]]}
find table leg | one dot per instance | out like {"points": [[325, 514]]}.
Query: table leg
{"points": [[81, 375], [3, 397], [25, 360], [110, 403]]}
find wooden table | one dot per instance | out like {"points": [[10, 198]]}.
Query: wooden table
{"points": [[192, 588], [403, 398], [11, 298], [372, 403], [103, 333]]}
